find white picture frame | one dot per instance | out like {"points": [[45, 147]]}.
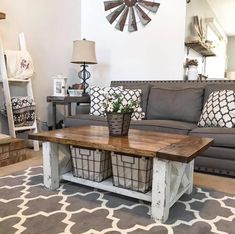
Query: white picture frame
{"points": [[59, 87]]}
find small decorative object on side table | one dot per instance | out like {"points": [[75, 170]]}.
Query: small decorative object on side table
{"points": [[59, 85], [119, 115], [76, 90]]}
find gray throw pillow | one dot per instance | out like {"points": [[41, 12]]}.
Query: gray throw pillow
{"points": [[175, 104]]}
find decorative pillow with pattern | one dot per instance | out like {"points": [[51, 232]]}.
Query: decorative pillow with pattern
{"points": [[23, 109], [98, 95], [219, 110], [134, 95]]}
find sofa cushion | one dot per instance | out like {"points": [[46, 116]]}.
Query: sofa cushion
{"points": [[145, 92], [224, 137], [215, 165], [219, 110], [224, 153], [175, 104], [169, 126], [216, 87]]}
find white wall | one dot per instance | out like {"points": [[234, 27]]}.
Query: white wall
{"points": [[153, 52], [50, 28], [202, 9], [215, 66], [231, 53]]}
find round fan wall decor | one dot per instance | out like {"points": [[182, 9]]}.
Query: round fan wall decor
{"points": [[130, 12]]}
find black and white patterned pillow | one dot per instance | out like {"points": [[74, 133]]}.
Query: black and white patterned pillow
{"points": [[23, 109], [219, 110], [98, 95], [134, 95]]}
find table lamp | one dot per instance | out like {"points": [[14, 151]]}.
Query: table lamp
{"points": [[84, 53]]}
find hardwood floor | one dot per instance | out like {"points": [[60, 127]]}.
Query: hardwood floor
{"points": [[222, 184], [218, 183]]}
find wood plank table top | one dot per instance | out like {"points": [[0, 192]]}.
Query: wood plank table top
{"points": [[172, 147]]}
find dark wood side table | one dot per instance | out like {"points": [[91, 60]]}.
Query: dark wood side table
{"points": [[66, 101]]}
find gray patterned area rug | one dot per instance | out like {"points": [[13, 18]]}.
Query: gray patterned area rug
{"points": [[27, 207]]}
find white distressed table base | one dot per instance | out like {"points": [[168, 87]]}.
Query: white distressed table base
{"points": [[170, 179], [56, 161]]}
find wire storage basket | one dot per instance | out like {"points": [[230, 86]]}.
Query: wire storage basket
{"points": [[132, 172], [91, 164], [118, 123]]}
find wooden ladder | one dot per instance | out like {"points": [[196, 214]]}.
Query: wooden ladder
{"points": [[6, 82]]}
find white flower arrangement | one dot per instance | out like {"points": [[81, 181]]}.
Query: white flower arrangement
{"points": [[117, 104]]}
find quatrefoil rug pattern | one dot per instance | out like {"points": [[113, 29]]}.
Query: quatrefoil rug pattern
{"points": [[27, 207]]}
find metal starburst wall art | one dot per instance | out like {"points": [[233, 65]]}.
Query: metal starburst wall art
{"points": [[129, 13]]}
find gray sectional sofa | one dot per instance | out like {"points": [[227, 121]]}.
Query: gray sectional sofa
{"points": [[175, 107]]}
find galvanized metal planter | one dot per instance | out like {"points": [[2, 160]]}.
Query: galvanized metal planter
{"points": [[118, 123]]}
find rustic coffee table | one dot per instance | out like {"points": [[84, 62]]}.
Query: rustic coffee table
{"points": [[173, 161]]}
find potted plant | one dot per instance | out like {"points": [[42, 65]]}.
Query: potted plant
{"points": [[192, 64], [118, 113]]}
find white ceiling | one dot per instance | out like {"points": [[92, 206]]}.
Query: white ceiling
{"points": [[225, 12]]}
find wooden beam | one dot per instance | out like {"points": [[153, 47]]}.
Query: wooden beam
{"points": [[2, 15]]}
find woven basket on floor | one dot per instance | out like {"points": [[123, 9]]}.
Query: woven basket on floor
{"points": [[118, 123]]}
